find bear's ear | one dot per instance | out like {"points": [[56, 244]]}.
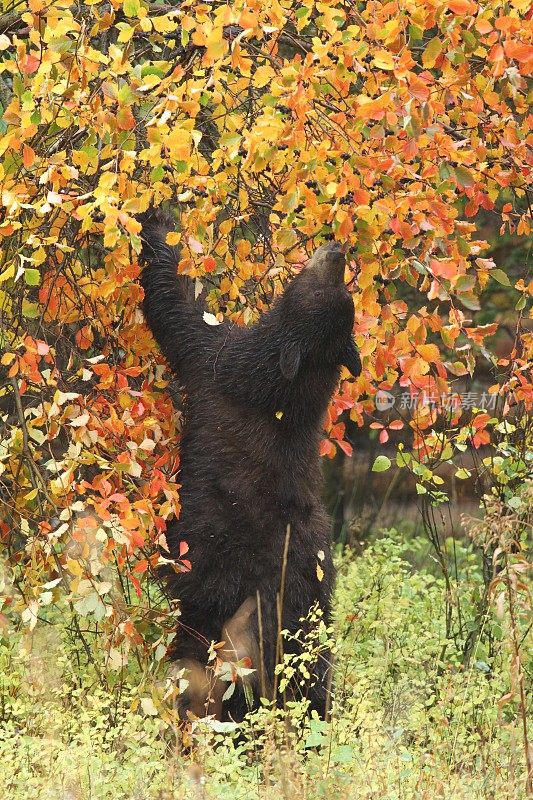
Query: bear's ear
{"points": [[350, 358], [289, 359]]}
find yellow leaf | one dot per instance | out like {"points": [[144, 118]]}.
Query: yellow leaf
{"points": [[383, 60], [7, 273], [226, 226], [429, 352], [173, 238], [74, 567], [319, 572], [126, 32], [7, 359], [263, 75], [390, 30], [164, 24], [286, 238]]}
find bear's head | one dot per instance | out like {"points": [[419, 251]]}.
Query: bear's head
{"points": [[318, 311]]}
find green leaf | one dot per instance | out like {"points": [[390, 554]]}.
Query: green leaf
{"points": [[157, 174], [402, 459], [500, 276], [131, 8], [30, 310], [314, 740], [343, 754], [432, 52], [470, 301], [464, 246], [465, 283], [381, 464], [228, 693], [463, 474], [515, 502], [470, 40], [464, 177], [32, 277], [152, 69], [419, 267]]}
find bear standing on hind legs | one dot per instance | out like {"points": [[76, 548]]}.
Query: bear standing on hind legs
{"points": [[255, 400]]}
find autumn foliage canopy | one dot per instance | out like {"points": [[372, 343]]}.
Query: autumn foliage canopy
{"points": [[269, 126]]}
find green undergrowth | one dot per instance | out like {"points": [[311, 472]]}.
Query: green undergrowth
{"points": [[410, 719]]}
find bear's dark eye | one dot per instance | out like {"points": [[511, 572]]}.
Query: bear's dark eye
{"points": [[318, 294]]}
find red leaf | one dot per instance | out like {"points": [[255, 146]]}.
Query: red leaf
{"points": [[396, 425], [31, 64], [346, 447], [327, 448], [136, 584], [209, 264]]}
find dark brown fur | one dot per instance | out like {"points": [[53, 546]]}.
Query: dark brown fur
{"points": [[248, 472]]}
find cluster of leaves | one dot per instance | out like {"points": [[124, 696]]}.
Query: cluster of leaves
{"points": [[270, 126]]}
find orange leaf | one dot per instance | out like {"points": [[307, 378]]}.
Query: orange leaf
{"points": [[429, 352], [28, 156], [462, 6], [31, 64], [346, 447], [443, 269], [396, 425], [84, 337], [483, 25], [136, 585], [125, 119], [327, 448], [496, 53], [209, 264], [418, 88], [520, 51]]}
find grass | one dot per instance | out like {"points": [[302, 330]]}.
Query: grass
{"points": [[409, 721]]}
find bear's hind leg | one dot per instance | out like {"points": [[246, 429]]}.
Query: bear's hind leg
{"points": [[204, 695]]}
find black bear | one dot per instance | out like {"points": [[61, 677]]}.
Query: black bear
{"points": [[255, 400]]}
